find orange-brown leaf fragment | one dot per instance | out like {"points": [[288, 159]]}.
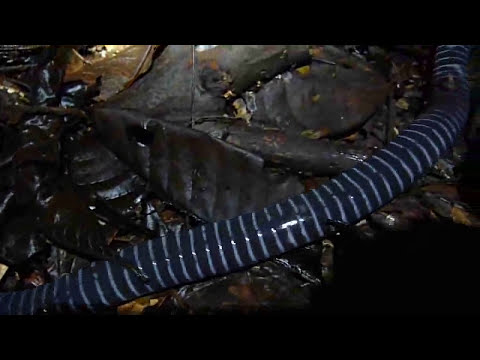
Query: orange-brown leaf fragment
{"points": [[351, 137], [214, 65], [117, 69], [3, 270], [460, 216], [135, 307]]}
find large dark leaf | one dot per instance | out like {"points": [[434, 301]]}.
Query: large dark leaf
{"points": [[20, 239], [166, 90], [207, 176], [118, 194], [71, 225], [320, 157], [324, 98]]}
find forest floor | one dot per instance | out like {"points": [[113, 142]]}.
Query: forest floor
{"points": [[68, 190]]}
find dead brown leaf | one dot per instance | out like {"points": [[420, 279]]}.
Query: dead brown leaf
{"points": [[135, 307], [118, 69], [3, 270], [351, 137], [460, 216]]}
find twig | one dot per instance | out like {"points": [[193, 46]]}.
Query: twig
{"points": [[305, 275], [47, 110], [139, 67], [77, 54], [4, 69], [324, 61]]}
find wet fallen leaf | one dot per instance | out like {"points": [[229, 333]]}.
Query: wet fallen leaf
{"points": [[215, 181], [118, 68]]}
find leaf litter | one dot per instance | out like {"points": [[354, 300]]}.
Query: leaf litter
{"points": [[89, 151]]}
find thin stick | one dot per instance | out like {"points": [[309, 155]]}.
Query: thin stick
{"points": [[139, 67], [77, 54], [390, 121], [4, 69], [193, 86], [47, 110]]}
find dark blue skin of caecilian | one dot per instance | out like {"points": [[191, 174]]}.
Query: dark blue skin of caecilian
{"points": [[231, 245]]}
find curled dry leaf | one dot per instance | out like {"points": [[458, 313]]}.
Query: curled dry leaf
{"points": [[208, 177]]}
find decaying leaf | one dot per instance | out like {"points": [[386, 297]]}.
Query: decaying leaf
{"points": [[209, 177], [119, 67], [310, 98], [71, 225], [20, 239], [219, 73], [320, 157]]}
